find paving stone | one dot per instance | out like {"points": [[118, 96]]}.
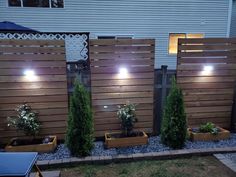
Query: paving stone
{"points": [[227, 162], [219, 156]]}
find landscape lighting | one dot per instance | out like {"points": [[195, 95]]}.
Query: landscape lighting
{"points": [[30, 75], [123, 73]]}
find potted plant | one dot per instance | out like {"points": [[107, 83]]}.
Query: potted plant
{"points": [[26, 121], [208, 132], [127, 137]]}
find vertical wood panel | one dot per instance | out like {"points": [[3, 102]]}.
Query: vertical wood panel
{"points": [[47, 94], [208, 94], [110, 90]]}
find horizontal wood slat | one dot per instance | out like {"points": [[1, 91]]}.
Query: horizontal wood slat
{"points": [[109, 90], [30, 57], [109, 42], [121, 56], [208, 95], [46, 94]]}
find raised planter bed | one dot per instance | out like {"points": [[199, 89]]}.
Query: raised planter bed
{"points": [[31, 145], [197, 136], [113, 140]]}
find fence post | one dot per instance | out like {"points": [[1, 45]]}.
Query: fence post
{"points": [[233, 113], [164, 86], [160, 97]]}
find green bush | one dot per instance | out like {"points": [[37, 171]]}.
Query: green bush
{"points": [[209, 128], [174, 128], [79, 137], [126, 114], [26, 120]]}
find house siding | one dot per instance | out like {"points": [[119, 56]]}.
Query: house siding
{"points": [[233, 20], [140, 18]]}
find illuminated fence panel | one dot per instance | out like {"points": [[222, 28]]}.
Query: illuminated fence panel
{"points": [[122, 71], [206, 72], [45, 91]]}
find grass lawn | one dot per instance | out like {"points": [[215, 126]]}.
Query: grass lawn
{"points": [[194, 167]]}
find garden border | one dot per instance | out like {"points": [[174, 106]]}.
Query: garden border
{"points": [[44, 164]]}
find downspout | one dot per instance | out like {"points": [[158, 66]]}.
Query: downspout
{"points": [[229, 18]]}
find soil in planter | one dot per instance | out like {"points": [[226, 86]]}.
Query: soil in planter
{"points": [[120, 135], [196, 130], [22, 142]]}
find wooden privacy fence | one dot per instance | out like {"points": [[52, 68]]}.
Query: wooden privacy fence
{"points": [[46, 92], [109, 89], [206, 72]]}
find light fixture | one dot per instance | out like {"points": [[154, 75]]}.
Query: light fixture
{"points": [[123, 73], [207, 70], [30, 75]]}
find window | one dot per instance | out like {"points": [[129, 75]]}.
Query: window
{"points": [[15, 3], [173, 40], [36, 3], [106, 37], [115, 37]]}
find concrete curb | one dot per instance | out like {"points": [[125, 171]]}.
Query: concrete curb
{"points": [[133, 157]]}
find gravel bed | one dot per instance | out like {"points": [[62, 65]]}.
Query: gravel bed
{"points": [[154, 145]]}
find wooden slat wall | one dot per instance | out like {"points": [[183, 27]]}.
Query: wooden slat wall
{"points": [[47, 95], [208, 95], [106, 57]]}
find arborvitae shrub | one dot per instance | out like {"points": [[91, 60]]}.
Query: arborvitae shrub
{"points": [[174, 125], [79, 137]]}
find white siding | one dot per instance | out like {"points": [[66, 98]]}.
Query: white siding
{"points": [[141, 18], [233, 20]]}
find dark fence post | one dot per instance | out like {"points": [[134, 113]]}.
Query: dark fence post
{"points": [[233, 113], [164, 86], [161, 87]]}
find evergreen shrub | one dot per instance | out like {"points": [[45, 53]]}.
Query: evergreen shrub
{"points": [[79, 136], [174, 125]]}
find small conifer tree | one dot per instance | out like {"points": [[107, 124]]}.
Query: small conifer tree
{"points": [[79, 137], [174, 125]]}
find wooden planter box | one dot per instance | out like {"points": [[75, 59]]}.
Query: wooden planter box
{"points": [[125, 141], [195, 136], [47, 147]]}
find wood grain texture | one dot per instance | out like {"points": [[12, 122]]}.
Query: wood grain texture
{"points": [[208, 95], [47, 95], [109, 90]]}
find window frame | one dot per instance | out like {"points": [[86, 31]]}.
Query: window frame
{"points": [[50, 5], [114, 36], [186, 34]]}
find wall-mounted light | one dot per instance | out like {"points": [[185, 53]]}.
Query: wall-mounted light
{"points": [[207, 70], [123, 73], [30, 75]]}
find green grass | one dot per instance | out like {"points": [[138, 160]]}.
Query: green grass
{"points": [[194, 167]]}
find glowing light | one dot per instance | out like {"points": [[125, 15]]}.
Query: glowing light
{"points": [[207, 70], [123, 73], [30, 75]]}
